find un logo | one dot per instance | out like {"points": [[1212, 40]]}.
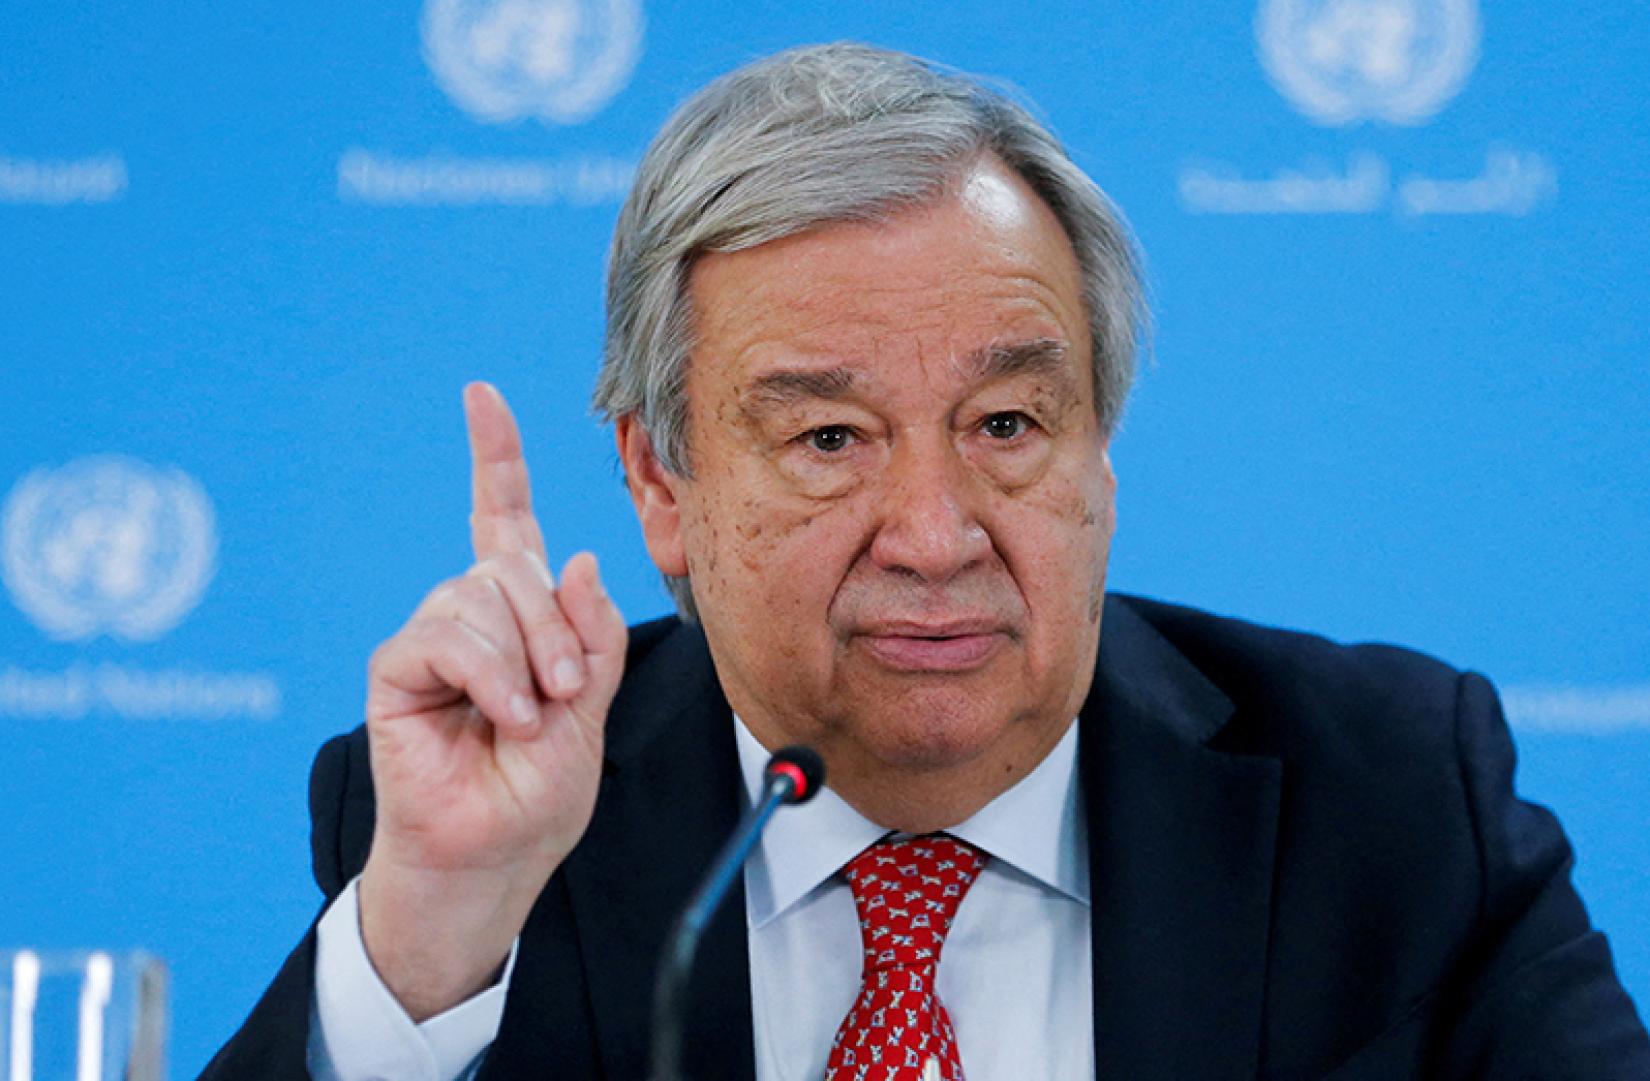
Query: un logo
{"points": [[558, 60], [107, 544], [1340, 61]]}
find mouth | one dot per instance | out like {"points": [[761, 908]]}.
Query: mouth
{"points": [[958, 647]]}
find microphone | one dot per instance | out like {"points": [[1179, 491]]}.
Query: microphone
{"points": [[792, 775]]}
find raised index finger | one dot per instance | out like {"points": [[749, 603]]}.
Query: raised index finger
{"points": [[501, 514]]}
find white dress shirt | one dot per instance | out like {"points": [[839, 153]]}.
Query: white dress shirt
{"points": [[1015, 973]]}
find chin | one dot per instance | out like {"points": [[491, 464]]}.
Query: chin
{"points": [[931, 730]]}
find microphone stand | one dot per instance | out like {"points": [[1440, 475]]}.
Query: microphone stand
{"points": [[792, 776]]}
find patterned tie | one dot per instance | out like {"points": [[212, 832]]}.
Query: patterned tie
{"points": [[907, 893]]}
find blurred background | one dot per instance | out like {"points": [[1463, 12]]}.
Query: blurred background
{"points": [[249, 254]]}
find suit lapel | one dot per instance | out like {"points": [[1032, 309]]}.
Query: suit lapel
{"points": [[670, 796], [1181, 839]]}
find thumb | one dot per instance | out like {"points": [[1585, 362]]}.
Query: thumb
{"points": [[601, 630]]}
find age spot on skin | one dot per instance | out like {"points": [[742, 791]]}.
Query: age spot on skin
{"points": [[1079, 509], [1067, 504], [715, 545]]}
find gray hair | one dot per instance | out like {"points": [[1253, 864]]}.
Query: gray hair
{"points": [[809, 137]]}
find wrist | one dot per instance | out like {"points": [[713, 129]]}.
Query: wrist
{"points": [[438, 938]]}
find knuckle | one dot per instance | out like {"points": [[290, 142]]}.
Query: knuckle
{"points": [[517, 562], [490, 577], [527, 574], [439, 636], [487, 568], [459, 635], [475, 582], [375, 663], [476, 594], [442, 596]]}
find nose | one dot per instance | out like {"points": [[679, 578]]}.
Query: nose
{"points": [[929, 526]]}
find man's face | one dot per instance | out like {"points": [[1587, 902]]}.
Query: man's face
{"points": [[900, 504]]}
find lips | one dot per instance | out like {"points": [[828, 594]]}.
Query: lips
{"points": [[945, 647]]}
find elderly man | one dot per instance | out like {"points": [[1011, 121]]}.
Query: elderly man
{"points": [[870, 332]]}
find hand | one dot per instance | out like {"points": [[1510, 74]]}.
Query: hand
{"points": [[485, 716]]}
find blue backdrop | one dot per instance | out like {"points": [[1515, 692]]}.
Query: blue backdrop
{"points": [[250, 252]]}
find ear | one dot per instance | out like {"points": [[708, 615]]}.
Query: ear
{"points": [[653, 489]]}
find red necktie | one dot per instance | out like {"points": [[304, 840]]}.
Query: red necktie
{"points": [[907, 893]]}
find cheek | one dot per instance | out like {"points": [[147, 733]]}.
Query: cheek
{"points": [[757, 557], [1069, 521], [1099, 521]]}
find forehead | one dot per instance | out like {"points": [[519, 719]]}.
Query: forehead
{"points": [[985, 265]]}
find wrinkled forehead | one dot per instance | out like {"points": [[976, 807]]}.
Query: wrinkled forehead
{"points": [[988, 249], [979, 178]]}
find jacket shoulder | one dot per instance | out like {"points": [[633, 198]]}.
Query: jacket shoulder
{"points": [[1297, 694], [1404, 853]]}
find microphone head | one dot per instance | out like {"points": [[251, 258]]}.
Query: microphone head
{"points": [[804, 768]]}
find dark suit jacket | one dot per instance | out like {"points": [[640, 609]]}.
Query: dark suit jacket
{"points": [[1307, 861]]}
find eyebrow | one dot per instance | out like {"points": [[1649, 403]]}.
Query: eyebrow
{"points": [[1038, 356], [786, 388]]}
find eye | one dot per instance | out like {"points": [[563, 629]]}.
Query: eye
{"points": [[1006, 425], [829, 439]]}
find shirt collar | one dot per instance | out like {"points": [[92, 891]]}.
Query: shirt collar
{"points": [[805, 846]]}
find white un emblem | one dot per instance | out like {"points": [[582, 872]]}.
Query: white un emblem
{"points": [[558, 60], [107, 545], [1340, 61]]}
